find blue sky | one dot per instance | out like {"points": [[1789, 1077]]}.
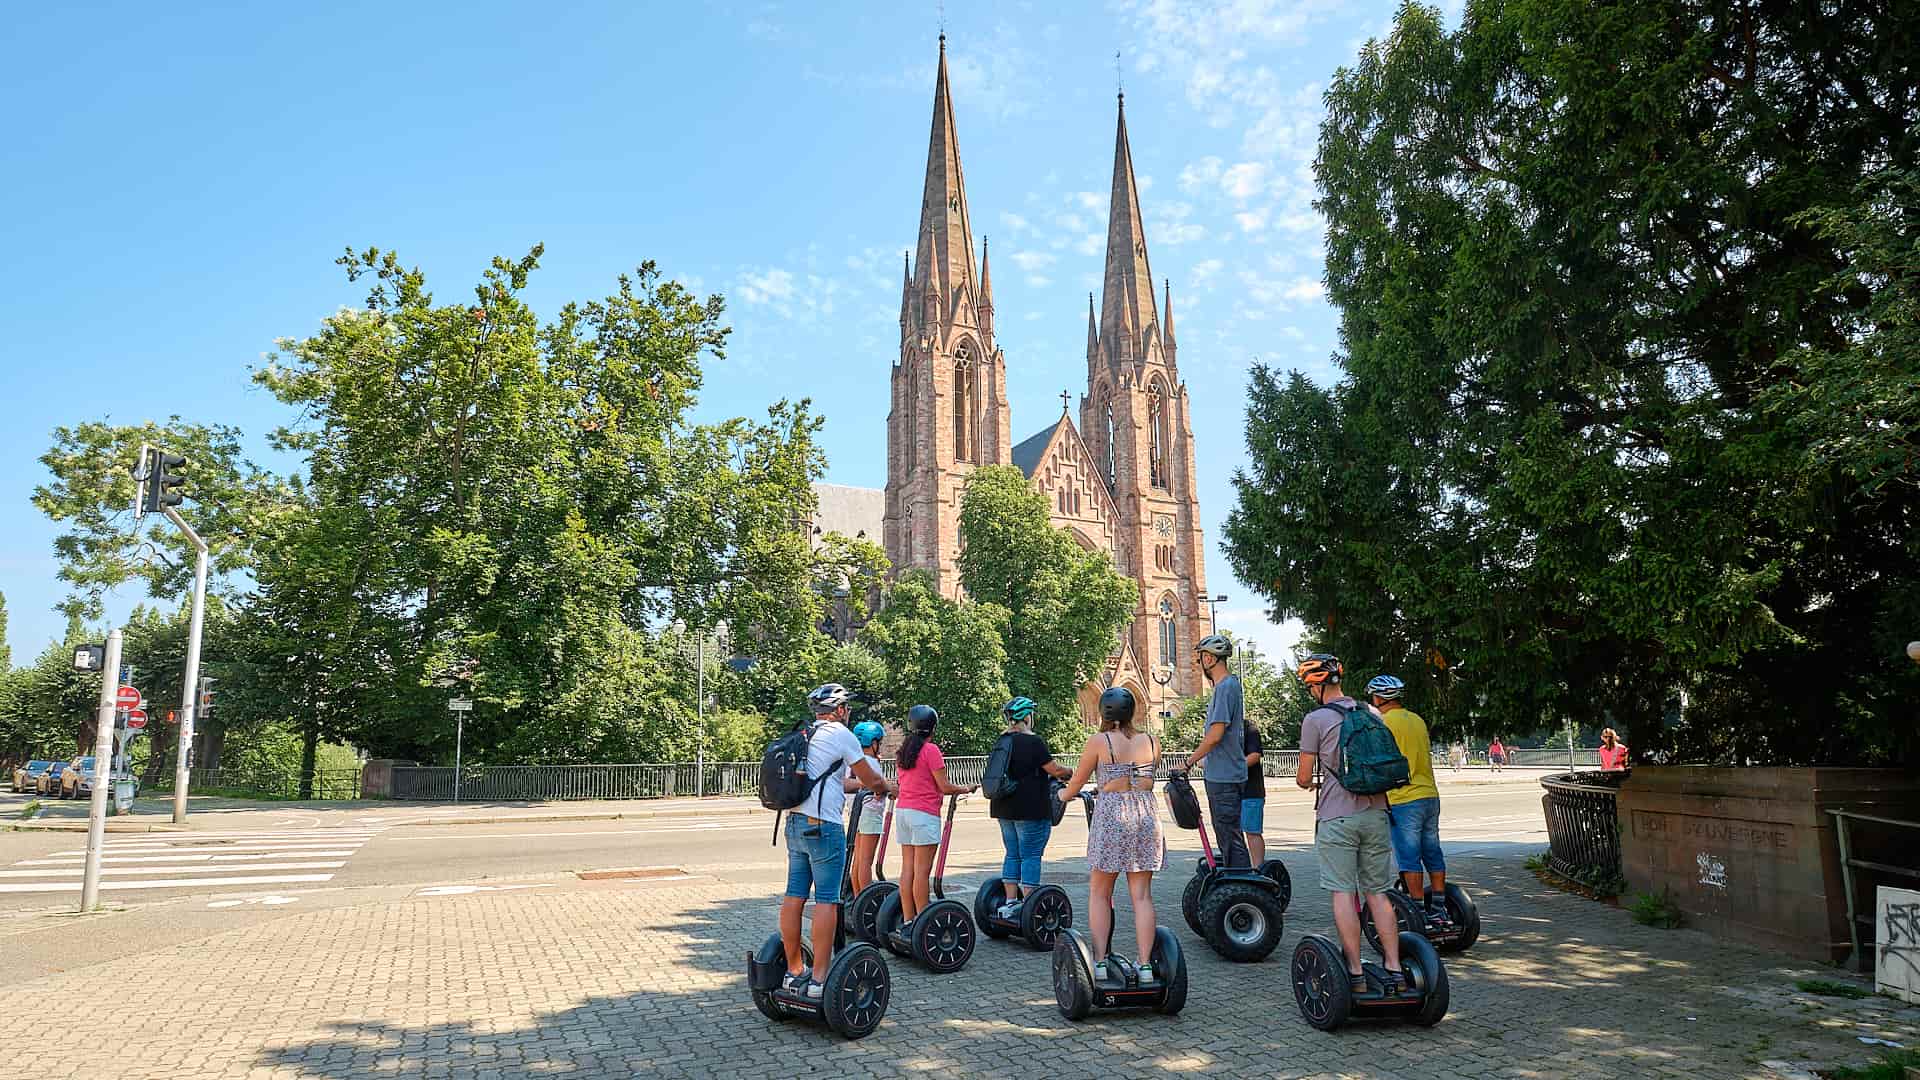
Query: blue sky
{"points": [[179, 184]]}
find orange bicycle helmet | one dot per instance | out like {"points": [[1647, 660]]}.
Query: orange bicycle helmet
{"points": [[1320, 668]]}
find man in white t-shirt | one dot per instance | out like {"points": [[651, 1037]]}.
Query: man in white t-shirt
{"points": [[817, 840]]}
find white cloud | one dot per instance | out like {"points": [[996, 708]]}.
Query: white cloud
{"points": [[1091, 200], [1204, 271], [1294, 332], [1176, 233], [1038, 281], [1091, 244], [1280, 293], [1014, 222], [1303, 289], [1252, 221], [1033, 260], [1200, 174], [765, 286], [1071, 222], [1245, 180]]}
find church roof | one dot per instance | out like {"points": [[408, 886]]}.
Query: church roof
{"points": [[1030, 453], [853, 512]]}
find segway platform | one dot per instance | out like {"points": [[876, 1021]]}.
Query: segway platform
{"points": [[1077, 993], [1238, 911], [1323, 989], [941, 936], [1042, 915], [1455, 935], [858, 987]]}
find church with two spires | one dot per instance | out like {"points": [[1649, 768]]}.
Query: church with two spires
{"points": [[1119, 476]]}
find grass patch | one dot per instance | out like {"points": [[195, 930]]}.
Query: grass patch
{"points": [[1537, 861], [1660, 911], [1892, 1066], [30, 811], [1832, 988]]}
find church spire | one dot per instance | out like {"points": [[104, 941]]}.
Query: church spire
{"points": [[906, 290], [1126, 303], [1093, 331], [945, 258], [985, 300]]}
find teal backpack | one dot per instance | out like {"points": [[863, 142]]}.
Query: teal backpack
{"points": [[1370, 761]]}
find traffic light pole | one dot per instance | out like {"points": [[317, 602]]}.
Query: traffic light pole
{"points": [[102, 771], [189, 694]]}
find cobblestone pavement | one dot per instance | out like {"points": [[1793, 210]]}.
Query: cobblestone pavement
{"points": [[620, 978]]}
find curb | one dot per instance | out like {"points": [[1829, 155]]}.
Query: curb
{"points": [[81, 826]]}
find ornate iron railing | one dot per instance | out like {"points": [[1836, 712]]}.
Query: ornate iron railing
{"points": [[1583, 823]]}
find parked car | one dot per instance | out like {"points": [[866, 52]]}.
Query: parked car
{"points": [[48, 782], [25, 775], [71, 776], [85, 787]]}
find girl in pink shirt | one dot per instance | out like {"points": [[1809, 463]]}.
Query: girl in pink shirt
{"points": [[922, 772], [1613, 752]]}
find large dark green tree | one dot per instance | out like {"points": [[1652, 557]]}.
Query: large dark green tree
{"points": [[946, 654], [1596, 266]]}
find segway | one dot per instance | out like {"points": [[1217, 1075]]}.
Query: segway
{"points": [[1455, 934], [865, 907], [1042, 914], [1324, 991], [858, 984], [1237, 910], [1077, 993], [941, 936]]}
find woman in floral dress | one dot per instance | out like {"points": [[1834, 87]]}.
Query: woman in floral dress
{"points": [[1124, 837]]}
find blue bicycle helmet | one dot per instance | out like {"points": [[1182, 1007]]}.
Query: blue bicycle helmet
{"points": [[1018, 711], [868, 732], [1385, 687]]}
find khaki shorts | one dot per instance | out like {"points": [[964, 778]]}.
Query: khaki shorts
{"points": [[1355, 852]]}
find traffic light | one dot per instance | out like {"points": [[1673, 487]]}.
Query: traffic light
{"points": [[164, 481]]}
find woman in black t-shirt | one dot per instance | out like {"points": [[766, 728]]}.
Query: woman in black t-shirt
{"points": [[1026, 816]]}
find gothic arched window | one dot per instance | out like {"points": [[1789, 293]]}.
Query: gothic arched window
{"points": [[1168, 646], [1109, 448], [1157, 434], [963, 395]]}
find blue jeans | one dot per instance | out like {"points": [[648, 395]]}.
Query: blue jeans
{"points": [[816, 859], [1253, 815], [1025, 842], [1416, 836]]}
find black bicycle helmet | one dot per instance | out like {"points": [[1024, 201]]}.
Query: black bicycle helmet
{"points": [[921, 719], [1116, 706]]}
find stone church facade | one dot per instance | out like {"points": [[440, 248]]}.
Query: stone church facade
{"points": [[1119, 476]]}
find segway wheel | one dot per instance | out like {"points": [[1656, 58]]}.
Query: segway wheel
{"points": [[864, 909], [1190, 904], [1241, 920], [886, 921], [773, 952], [1320, 983], [1046, 914], [986, 903], [1406, 912], [1072, 982], [1422, 963], [942, 936], [1170, 964], [858, 987], [1276, 871], [1465, 915]]}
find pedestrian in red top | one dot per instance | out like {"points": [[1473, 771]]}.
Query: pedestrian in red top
{"points": [[1496, 754], [1613, 752]]}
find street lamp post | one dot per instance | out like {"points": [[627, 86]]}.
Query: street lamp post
{"points": [[1213, 611]]}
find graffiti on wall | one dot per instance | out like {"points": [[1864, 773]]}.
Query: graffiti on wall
{"points": [[1713, 872], [1897, 937]]}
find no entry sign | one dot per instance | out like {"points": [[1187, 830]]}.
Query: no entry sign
{"points": [[137, 718], [128, 698]]}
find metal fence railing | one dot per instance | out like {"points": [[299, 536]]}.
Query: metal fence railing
{"points": [[1583, 823], [326, 784]]}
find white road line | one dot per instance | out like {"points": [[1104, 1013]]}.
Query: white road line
{"points": [[78, 871], [187, 883], [188, 858], [163, 850]]}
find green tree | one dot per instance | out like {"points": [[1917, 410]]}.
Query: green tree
{"points": [[1570, 243], [946, 654], [1274, 701], [92, 493], [1065, 606], [6, 650]]}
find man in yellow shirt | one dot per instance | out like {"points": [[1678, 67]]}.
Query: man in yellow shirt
{"points": [[1415, 808]]}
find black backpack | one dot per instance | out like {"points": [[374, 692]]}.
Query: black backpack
{"points": [[784, 783], [1183, 802], [994, 782], [1370, 760]]}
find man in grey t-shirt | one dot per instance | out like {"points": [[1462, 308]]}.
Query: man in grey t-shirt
{"points": [[1223, 745], [1351, 836]]}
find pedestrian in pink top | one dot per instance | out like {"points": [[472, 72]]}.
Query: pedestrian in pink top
{"points": [[922, 774], [1613, 752]]}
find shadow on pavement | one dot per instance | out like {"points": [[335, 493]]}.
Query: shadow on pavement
{"points": [[1557, 984]]}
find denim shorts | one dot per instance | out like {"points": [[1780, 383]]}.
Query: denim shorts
{"points": [[1253, 815], [1416, 836], [916, 828], [816, 859]]}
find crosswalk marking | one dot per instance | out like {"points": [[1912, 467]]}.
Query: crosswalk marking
{"points": [[196, 860]]}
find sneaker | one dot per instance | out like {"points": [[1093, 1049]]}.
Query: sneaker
{"points": [[1100, 971], [793, 983], [1395, 984], [815, 991], [1010, 911], [1359, 984], [1146, 974]]}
